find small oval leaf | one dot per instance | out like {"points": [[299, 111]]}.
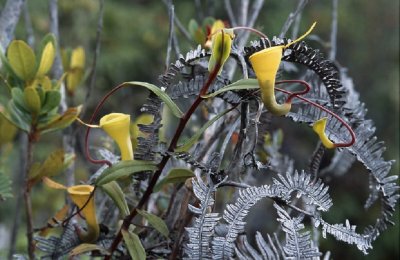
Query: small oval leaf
{"points": [[52, 100], [32, 100], [124, 169], [155, 221], [22, 59]]}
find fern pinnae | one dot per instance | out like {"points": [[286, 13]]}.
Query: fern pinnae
{"points": [[298, 244], [317, 192], [203, 229], [223, 247]]}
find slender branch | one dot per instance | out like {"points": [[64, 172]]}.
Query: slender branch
{"points": [[28, 25], [171, 14], [332, 53], [93, 70], [292, 16], [244, 8], [8, 21], [181, 28], [228, 8], [296, 26], [28, 202], [19, 181], [181, 126]]}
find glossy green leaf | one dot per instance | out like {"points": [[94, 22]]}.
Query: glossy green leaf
{"points": [[175, 175], [155, 221], [32, 100], [161, 94], [114, 191], [134, 245], [192, 140], [18, 97], [46, 60], [22, 59], [243, 84], [124, 169], [51, 101], [85, 248], [7, 129], [20, 119]]}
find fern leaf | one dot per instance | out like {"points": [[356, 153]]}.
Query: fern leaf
{"points": [[317, 193], [201, 232]]}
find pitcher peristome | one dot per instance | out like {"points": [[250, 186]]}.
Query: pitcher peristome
{"points": [[116, 126], [80, 195]]}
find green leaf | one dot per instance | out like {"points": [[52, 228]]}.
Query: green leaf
{"points": [[61, 121], [32, 100], [47, 59], [5, 187], [22, 59], [55, 163], [52, 100], [124, 169], [18, 97], [85, 248], [175, 175], [17, 117], [155, 221], [188, 143], [114, 191], [220, 49], [161, 94], [242, 84], [134, 245]]}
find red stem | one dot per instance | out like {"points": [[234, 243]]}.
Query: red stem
{"points": [[295, 94], [353, 136], [87, 153]]}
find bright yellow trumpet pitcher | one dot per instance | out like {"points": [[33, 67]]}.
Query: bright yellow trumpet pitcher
{"points": [[80, 195], [265, 65], [117, 125]]}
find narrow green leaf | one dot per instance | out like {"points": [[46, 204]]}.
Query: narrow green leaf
{"points": [[161, 94], [22, 59], [175, 175], [188, 143], [242, 84], [134, 245], [124, 169], [85, 248], [114, 191], [155, 221]]}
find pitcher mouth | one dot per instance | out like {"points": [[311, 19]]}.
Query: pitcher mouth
{"points": [[113, 118], [80, 189], [267, 50]]}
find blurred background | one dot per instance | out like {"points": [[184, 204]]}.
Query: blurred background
{"points": [[133, 47]]}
